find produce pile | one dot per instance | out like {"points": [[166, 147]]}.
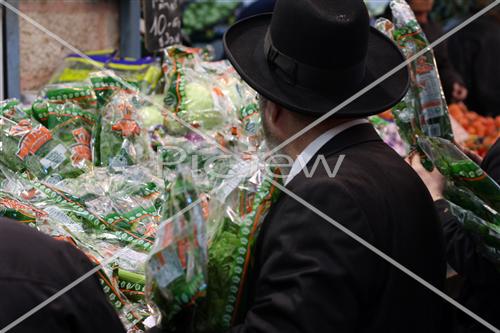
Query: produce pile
{"points": [[171, 217], [204, 21], [483, 131], [167, 190], [424, 125]]}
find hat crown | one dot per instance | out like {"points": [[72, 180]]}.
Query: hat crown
{"points": [[321, 33]]}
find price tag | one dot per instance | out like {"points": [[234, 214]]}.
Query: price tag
{"points": [[54, 158], [163, 23]]}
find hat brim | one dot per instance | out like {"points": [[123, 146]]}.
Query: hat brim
{"points": [[244, 45]]}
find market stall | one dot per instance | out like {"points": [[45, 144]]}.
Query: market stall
{"points": [[153, 168]]}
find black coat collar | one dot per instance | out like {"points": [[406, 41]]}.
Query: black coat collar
{"points": [[350, 137]]}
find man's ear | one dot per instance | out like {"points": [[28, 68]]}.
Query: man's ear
{"points": [[274, 113]]}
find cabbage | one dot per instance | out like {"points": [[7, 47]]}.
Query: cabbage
{"points": [[151, 116], [198, 97], [200, 107]]}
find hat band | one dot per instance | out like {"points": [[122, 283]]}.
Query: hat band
{"points": [[297, 73]]}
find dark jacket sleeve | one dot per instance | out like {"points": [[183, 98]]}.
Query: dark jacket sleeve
{"points": [[35, 267], [461, 251], [475, 51], [491, 163], [88, 308], [310, 277]]}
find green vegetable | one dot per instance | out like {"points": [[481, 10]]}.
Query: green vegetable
{"points": [[71, 125], [28, 145], [121, 139], [152, 115], [454, 164], [466, 199], [423, 111], [229, 255]]}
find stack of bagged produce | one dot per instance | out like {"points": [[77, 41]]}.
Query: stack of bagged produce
{"points": [[170, 217], [483, 131], [424, 124]]}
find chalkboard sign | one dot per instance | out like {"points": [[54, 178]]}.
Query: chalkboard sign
{"points": [[162, 19]]}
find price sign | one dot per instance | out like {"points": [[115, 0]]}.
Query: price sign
{"points": [[163, 23]]}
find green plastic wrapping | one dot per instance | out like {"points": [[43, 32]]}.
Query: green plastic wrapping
{"points": [[432, 108], [176, 266], [71, 125], [119, 138], [423, 110], [464, 172], [230, 250], [487, 235], [28, 145]]}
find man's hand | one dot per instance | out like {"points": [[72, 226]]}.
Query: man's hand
{"points": [[433, 180], [459, 93]]}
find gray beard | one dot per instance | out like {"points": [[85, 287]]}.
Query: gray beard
{"points": [[272, 142]]}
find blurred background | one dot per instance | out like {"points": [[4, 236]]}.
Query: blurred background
{"points": [[96, 25]]}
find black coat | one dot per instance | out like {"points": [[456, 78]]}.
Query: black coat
{"points": [[474, 51], [308, 276], [491, 162], [33, 267], [480, 290]]}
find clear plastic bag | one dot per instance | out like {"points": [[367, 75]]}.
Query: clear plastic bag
{"points": [[176, 268], [233, 230], [28, 145], [423, 111], [119, 138], [455, 165]]}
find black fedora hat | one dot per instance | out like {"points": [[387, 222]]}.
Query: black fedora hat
{"points": [[311, 55]]}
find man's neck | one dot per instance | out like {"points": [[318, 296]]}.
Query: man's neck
{"points": [[295, 148]]}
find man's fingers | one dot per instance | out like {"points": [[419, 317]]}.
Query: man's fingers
{"points": [[413, 159]]}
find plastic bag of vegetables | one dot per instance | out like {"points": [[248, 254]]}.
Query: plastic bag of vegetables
{"points": [[28, 145], [466, 199], [20, 210], [232, 235], [62, 216], [473, 196], [176, 268], [121, 139], [130, 200], [71, 125], [459, 168], [79, 93], [243, 110], [486, 233], [106, 83], [432, 109], [196, 100]]}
